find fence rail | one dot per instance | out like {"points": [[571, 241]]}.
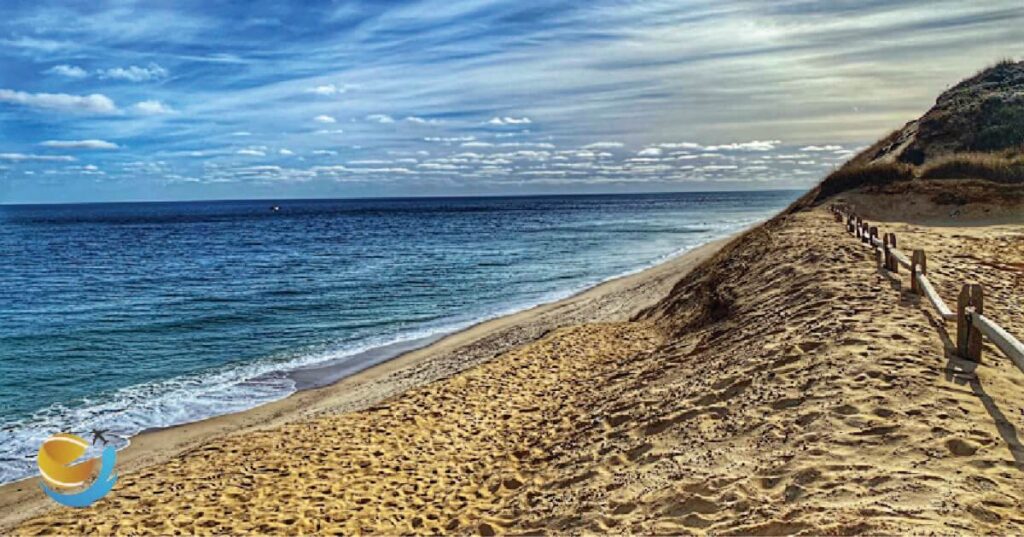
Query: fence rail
{"points": [[969, 315]]}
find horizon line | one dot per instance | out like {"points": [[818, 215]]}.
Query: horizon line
{"points": [[371, 198]]}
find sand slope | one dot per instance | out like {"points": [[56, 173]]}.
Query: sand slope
{"points": [[788, 386]]}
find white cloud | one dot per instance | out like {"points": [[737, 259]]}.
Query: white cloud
{"points": [[509, 121], [252, 152], [649, 152], [329, 131], [70, 71], [79, 144], [285, 152], [450, 140], [153, 108], [477, 144], [814, 148], [680, 145], [325, 152], [22, 157], [94, 104], [324, 118], [328, 89], [421, 121], [380, 118], [241, 133], [134, 73], [756, 145], [603, 145]]}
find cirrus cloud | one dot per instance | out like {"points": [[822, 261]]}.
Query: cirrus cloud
{"points": [[80, 144], [23, 157]]}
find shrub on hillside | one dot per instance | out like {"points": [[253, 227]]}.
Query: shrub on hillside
{"points": [[999, 168], [854, 176]]}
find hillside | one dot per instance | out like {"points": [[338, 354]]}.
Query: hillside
{"points": [[975, 132], [984, 113]]}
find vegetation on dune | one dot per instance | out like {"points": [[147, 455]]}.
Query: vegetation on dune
{"points": [[974, 132], [873, 174], [999, 168]]}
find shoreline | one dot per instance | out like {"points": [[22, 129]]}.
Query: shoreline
{"points": [[615, 299]]}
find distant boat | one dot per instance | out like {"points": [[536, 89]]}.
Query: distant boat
{"points": [[275, 208]]}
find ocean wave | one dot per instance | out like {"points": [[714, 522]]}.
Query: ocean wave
{"points": [[232, 388]]}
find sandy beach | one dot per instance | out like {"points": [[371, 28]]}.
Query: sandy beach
{"points": [[613, 301], [785, 384]]}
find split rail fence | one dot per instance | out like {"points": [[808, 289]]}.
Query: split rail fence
{"points": [[971, 323]]}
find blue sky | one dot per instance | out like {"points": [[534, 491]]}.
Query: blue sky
{"points": [[205, 100]]}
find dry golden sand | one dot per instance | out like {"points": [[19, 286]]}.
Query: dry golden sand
{"points": [[787, 386]]}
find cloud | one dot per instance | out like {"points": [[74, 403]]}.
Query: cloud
{"points": [[95, 103], [241, 133], [70, 71], [153, 108], [79, 144], [324, 118], [328, 89], [756, 145], [22, 157], [680, 145], [819, 148], [134, 73], [422, 121], [602, 76], [380, 118], [249, 152], [285, 152], [449, 139], [649, 152], [509, 121]]}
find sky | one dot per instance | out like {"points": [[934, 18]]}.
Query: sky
{"points": [[159, 100]]}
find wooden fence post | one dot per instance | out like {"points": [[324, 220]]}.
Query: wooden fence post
{"points": [[894, 264], [968, 338], [918, 264], [864, 237], [872, 237], [886, 256]]}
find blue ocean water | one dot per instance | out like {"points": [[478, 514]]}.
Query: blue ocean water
{"points": [[132, 316]]}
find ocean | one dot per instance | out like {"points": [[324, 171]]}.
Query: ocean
{"points": [[130, 316]]}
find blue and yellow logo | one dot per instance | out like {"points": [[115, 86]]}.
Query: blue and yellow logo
{"points": [[56, 456]]}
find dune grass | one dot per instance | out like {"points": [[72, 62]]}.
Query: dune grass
{"points": [[856, 175], [1003, 167]]}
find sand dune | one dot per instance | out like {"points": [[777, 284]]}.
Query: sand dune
{"points": [[789, 386]]}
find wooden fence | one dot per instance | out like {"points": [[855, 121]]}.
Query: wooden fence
{"points": [[971, 323]]}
